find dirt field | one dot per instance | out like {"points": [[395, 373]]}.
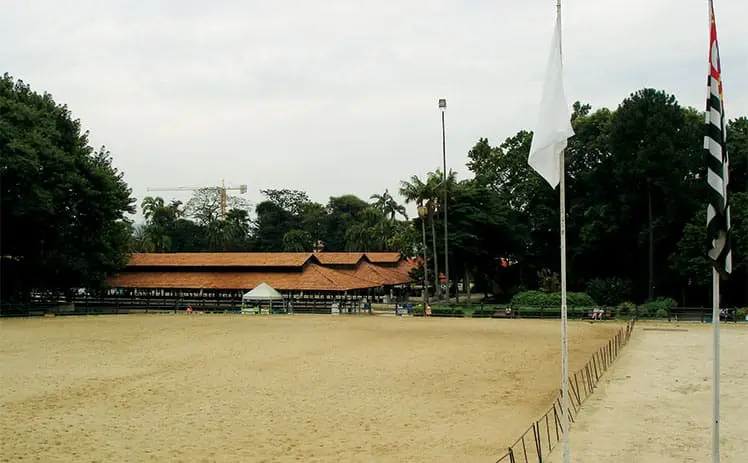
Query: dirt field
{"points": [[296, 388], [655, 404]]}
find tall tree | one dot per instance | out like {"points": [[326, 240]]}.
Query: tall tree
{"points": [[424, 195], [63, 205], [205, 205], [341, 215], [293, 201], [653, 145]]}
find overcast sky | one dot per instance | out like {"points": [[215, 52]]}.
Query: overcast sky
{"points": [[336, 97]]}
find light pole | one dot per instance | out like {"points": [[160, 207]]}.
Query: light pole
{"points": [[443, 107]]}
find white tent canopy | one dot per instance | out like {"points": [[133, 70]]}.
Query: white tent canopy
{"points": [[263, 293]]}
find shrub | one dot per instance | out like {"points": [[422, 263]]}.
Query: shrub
{"points": [[541, 299], [486, 312], [609, 291], [657, 307], [446, 312], [551, 312], [626, 308], [740, 314]]}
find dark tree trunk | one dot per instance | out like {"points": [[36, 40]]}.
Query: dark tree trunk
{"points": [[425, 265], [651, 292], [438, 288]]}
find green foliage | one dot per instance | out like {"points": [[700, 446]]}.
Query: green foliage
{"points": [[626, 308], [62, 204], [646, 152], [740, 314], [292, 201], [486, 312], [552, 312], [447, 312], [387, 205], [297, 241], [609, 291], [659, 308], [542, 299], [661, 313]]}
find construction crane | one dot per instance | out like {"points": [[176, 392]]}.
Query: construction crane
{"points": [[222, 189]]}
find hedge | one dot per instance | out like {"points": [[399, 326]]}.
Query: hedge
{"points": [[541, 299], [659, 308], [486, 312], [440, 312]]}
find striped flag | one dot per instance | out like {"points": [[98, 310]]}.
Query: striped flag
{"points": [[718, 211]]}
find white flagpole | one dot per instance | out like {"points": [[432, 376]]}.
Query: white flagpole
{"points": [[564, 337], [715, 366], [546, 157]]}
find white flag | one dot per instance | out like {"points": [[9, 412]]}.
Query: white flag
{"points": [[554, 121]]}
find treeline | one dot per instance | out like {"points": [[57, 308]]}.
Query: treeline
{"points": [[636, 203], [636, 206], [286, 220]]}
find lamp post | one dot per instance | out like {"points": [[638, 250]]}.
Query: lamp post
{"points": [[422, 213], [443, 108]]}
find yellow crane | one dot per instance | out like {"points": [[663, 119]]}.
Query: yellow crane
{"points": [[222, 189]]}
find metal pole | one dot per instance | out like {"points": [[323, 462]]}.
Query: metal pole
{"points": [[444, 185], [564, 318], [715, 365], [564, 337]]}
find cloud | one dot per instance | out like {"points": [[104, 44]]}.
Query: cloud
{"points": [[335, 97]]}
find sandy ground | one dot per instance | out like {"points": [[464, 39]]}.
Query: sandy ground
{"points": [[206, 388], [655, 403]]}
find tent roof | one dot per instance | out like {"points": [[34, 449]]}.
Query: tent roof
{"points": [[263, 292]]}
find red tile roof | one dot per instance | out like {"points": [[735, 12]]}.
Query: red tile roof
{"points": [[310, 273], [339, 258], [220, 259], [312, 278], [380, 275], [383, 257]]}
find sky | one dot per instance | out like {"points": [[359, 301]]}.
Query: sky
{"points": [[336, 97]]}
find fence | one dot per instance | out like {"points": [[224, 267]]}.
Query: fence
{"points": [[541, 437]]}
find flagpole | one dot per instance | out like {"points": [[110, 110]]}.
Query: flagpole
{"points": [[715, 366], [564, 314], [564, 338]]}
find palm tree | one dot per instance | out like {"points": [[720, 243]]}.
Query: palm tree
{"points": [[423, 195], [387, 204], [435, 187], [150, 205]]}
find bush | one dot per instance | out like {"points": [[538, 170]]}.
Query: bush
{"points": [[626, 309], [551, 312], [659, 308], [661, 313], [609, 291], [541, 299], [740, 314], [486, 312], [446, 312]]}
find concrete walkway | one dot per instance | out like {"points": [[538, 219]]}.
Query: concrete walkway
{"points": [[655, 404]]}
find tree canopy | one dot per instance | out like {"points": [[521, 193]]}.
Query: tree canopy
{"points": [[63, 203]]}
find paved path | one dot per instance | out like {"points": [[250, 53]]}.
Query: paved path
{"points": [[655, 404]]}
